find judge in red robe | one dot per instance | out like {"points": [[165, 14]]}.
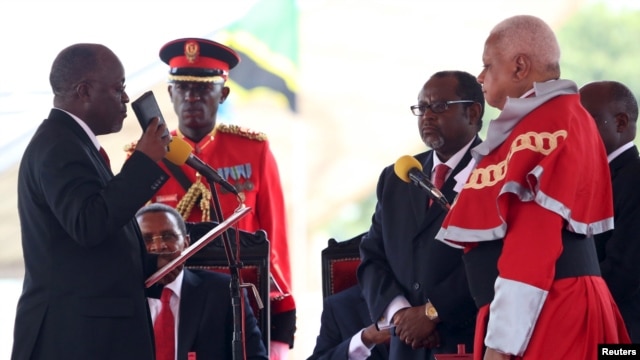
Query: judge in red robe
{"points": [[526, 216]]}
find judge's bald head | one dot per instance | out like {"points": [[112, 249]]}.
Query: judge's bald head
{"points": [[519, 51], [532, 37]]}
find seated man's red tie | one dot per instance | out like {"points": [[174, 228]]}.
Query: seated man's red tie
{"points": [[439, 176], [164, 329]]}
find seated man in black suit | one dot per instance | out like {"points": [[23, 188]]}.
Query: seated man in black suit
{"points": [[344, 333], [200, 302], [615, 111], [410, 280]]}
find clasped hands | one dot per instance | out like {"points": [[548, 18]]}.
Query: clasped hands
{"points": [[414, 328]]}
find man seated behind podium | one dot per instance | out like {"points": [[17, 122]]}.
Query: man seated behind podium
{"points": [[200, 299], [344, 333]]}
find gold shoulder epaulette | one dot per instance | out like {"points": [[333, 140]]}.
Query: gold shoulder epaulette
{"points": [[242, 131], [130, 148]]}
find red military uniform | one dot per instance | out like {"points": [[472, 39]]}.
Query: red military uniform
{"points": [[244, 159], [541, 177], [198, 70]]}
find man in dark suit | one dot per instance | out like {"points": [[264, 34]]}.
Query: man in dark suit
{"points": [[83, 295], [200, 298], [346, 331], [615, 111], [412, 282]]}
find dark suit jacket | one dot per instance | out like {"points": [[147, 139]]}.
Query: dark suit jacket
{"points": [[619, 249], [343, 315], [206, 319], [400, 256], [83, 295]]}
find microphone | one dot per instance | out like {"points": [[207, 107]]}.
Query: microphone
{"points": [[408, 169], [179, 153]]}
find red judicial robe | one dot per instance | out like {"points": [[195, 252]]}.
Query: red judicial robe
{"points": [[542, 169]]}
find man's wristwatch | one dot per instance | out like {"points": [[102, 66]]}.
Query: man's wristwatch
{"points": [[431, 311]]}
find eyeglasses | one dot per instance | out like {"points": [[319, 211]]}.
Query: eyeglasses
{"points": [[436, 107], [166, 237]]}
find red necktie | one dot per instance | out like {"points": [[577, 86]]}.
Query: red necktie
{"points": [[439, 175], [164, 329], [105, 156]]}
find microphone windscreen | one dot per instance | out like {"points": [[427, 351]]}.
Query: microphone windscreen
{"points": [[179, 151], [404, 164]]}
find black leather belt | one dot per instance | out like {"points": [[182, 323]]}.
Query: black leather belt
{"points": [[578, 258]]}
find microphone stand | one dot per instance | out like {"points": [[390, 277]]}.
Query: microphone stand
{"points": [[433, 192], [237, 342]]}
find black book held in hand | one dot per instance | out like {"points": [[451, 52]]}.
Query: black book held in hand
{"points": [[146, 108]]}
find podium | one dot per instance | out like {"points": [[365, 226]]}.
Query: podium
{"points": [[254, 273]]}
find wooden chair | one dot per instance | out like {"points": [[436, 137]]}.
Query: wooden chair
{"points": [[340, 261], [254, 255]]}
